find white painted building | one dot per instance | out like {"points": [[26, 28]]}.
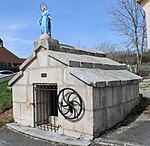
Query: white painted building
{"points": [[146, 6], [72, 91]]}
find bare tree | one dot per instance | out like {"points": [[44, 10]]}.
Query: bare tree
{"points": [[129, 20], [116, 53]]}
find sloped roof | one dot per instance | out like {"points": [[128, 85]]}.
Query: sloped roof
{"points": [[9, 57], [72, 60], [90, 67], [95, 71], [100, 78]]}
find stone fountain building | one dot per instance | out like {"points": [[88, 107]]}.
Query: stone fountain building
{"points": [[72, 91]]}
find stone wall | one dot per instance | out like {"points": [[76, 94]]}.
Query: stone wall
{"points": [[56, 73], [112, 105], [108, 91]]}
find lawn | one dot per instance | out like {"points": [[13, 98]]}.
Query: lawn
{"points": [[5, 104], [5, 97]]}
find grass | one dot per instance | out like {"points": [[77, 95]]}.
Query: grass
{"points": [[4, 122], [5, 103], [5, 97]]}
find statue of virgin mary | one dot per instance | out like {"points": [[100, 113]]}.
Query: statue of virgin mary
{"points": [[45, 21]]}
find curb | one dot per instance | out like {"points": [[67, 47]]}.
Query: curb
{"points": [[48, 135]]}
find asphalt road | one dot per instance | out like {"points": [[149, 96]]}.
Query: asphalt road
{"points": [[10, 138], [138, 133]]}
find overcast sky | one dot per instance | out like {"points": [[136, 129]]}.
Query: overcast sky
{"points": [[75, 22]]}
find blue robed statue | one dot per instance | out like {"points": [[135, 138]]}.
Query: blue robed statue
{"points": [[45, 21]]}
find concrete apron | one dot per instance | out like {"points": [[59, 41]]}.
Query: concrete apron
{"points": [[48, 135], [62, 139]]}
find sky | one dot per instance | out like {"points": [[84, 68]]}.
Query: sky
{"points": [[84, 23]]}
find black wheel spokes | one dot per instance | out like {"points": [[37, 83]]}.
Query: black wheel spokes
{"points": [[70, 103]]}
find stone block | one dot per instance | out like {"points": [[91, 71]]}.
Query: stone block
{"points": [[54, 75], [100, 124], [78, 128], [135, 102], [124, 93], [86, 65], [124, 82], [26, 111], [74, 64], [98, 65], [17, 110], [19, 93], [128, 93], [42, 58], [47, 43], [114, 83], [117, 95], [101, 84], [136, 88], [133, 91], [106, 95], [96, 98], [127, 107], [24, 122], [114, 115]]}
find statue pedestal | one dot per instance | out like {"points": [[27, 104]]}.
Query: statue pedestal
{"points": [[44, 36]]}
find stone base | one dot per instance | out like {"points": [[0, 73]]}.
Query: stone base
{"points": [[44, 36]]}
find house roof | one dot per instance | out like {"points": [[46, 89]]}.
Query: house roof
{"points": [[9, 57]]}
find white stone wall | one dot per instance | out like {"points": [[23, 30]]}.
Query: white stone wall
{"points": [[103, 107], [146, 6], [112, 105], [56, 73]]}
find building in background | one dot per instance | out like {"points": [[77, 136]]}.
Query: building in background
{"points": [[8, 60], [146, 6]]}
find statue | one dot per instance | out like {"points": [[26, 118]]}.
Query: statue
{"points": [[45, 22]]}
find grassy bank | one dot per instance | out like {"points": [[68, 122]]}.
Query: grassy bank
{"points": [[4, 122], [5, 104], [5, 97]]}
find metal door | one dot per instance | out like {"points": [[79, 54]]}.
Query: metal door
{"points": [[45, 106]]}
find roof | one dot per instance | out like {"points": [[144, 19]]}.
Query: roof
{"points": [[91, 67], [95, 71], [101, 78], [9, 57]]}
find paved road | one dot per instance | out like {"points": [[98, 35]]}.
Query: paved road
{"points": [[10, 138], [139, 133]]}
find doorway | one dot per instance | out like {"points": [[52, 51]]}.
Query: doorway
{"points": [[45, 106]]}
